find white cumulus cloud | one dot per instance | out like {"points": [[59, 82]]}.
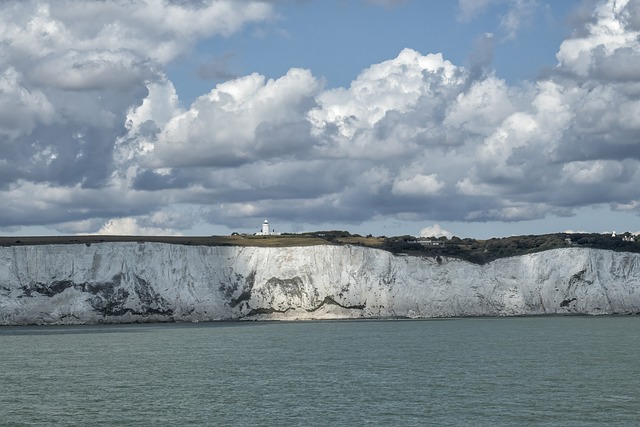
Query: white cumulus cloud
{"points": [[435, 231], [231, 125], [418, 185]]}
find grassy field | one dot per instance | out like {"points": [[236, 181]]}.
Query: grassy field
{"points": [[239, 240], [372, 242]]}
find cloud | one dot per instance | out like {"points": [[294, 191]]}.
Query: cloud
{"points": [[593, 172], [519, 14], [95, 138], [92, 70], [417, 185], [21, 109], [131, 227], [435, 231], [156, 30], [237, 121], [516, 13], [390, 108], [607, 46], [481, 57], [469, 9], [75, 78], [71, 70]]}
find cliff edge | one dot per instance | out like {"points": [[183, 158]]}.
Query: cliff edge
{"points": [[115, 282]]}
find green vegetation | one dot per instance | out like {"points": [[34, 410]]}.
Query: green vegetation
{"points": [[483, 251], [476, 251]]}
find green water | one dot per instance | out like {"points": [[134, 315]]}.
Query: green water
{"points": [[508, 371]]}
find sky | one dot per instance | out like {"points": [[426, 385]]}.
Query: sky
{"points": [[474, 118]]}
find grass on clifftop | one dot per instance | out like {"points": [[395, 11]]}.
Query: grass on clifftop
{"points": [[476, 251], [236, 240], [283, 241]]}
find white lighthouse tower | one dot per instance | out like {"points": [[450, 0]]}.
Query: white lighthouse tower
{"points": [[265, 228]]}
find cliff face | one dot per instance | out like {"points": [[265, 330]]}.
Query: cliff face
{"points": [[129, 282]]}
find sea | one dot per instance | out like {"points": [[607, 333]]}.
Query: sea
{"points": [[543, 371]]}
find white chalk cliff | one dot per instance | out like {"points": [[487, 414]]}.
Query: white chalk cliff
{"points": [[140, 282]]}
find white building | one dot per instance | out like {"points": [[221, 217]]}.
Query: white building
{"points": [[266, 231]]}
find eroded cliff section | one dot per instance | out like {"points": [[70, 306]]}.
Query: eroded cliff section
{"points": [[118, 282]]}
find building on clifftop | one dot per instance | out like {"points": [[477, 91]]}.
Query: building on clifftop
{"points": [[266, 231]]}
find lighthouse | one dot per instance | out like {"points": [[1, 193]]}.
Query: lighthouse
{"points": [[265, 228]]}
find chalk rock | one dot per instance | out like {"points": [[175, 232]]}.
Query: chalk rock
{"points": [[119, 282]]}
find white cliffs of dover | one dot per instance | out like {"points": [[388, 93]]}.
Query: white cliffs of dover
{"points": [[147, 282]]}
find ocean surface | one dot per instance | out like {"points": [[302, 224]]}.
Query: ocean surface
{"points": [[566, 371]]}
